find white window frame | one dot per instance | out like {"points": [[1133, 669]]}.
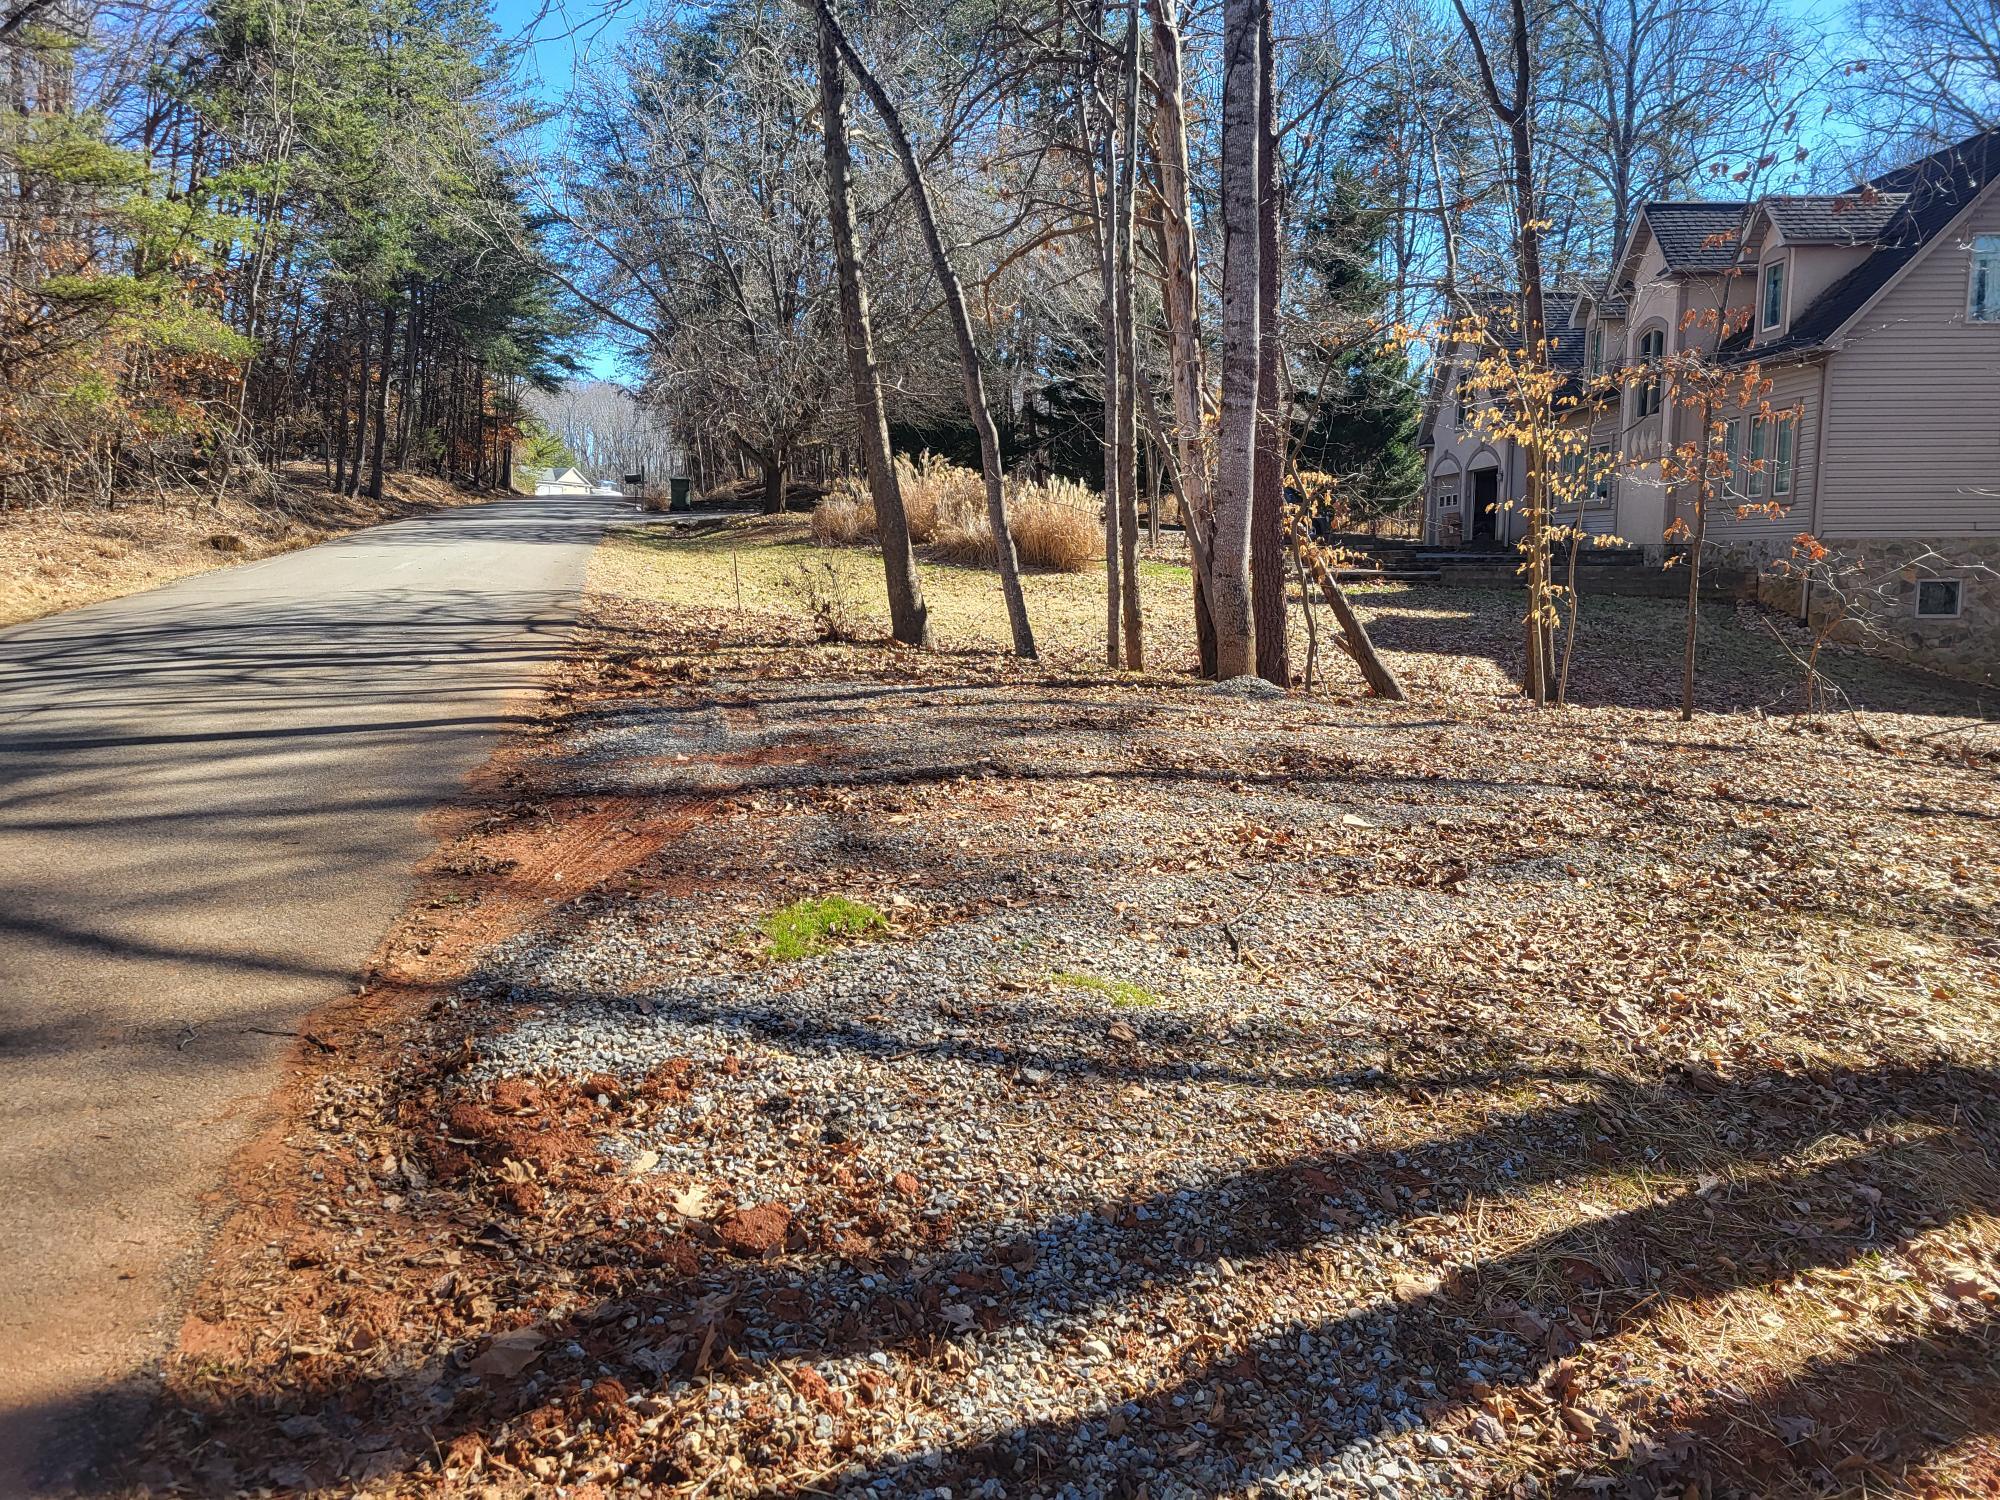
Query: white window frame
{"points": [[1601, 484], [1758, 471], [1957, 586], [1771, 279], [1982, 281], [1783, 451], [1732, 441], [1447, 498]]}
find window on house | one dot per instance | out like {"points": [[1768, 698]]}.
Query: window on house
{"points": [[1781, 455], [1462, 413], [1982, 303], [1596, 350], [1939, 598], [1569, 468], [1600, 466], [1732, 444], [1774, 294], [1447, 499], [1753, 458], [1652, 347]]}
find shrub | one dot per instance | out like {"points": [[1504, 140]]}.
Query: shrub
{"points": [[823, 591]]}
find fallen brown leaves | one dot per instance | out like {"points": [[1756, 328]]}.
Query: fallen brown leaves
{"points": [[1683, 1042]]}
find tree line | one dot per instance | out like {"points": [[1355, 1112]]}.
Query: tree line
{"points": [[262, 230]]}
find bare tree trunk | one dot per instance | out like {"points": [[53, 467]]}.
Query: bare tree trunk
{"points": [[1516, 114], [382, 400], [1236, 460], [1267, 532], [1108, 223], [961, 327], [773, 461], [1695, 545], [1128, 350], [1177, 295], [360, 406], [909, 619]]}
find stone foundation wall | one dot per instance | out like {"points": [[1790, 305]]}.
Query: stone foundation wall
{"points": [[1966, 646]]}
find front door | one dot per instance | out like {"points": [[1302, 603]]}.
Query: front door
{"points": [[1485, 505]]}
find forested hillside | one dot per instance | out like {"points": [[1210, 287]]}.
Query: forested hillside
{"points": [[254, 230]]}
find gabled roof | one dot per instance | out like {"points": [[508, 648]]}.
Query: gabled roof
{"points": [[1566, 343], [1931, 193], [1854, 218], [1696, 236]]}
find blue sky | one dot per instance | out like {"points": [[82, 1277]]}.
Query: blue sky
{"points": [[569, 36]]}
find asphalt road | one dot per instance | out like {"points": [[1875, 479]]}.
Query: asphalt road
{"points": [[211, 799]]}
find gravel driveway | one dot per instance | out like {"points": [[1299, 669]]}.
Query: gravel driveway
{"points": [[1246, 1095]]}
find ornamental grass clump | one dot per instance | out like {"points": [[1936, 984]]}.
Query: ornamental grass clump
{"points": [[1056, 522]]}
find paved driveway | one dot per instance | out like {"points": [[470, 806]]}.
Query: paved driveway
{"points": [[211, 797]]}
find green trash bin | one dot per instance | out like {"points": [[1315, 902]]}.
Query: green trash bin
{"points": [[678, 493]]}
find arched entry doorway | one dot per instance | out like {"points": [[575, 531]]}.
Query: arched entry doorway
{"points": [[1482, 518]]}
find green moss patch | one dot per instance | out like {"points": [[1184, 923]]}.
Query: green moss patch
{"points": [[817, 923], [1117, 991]]}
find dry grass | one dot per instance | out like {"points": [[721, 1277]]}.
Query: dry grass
{"points": [[1055, 521]]}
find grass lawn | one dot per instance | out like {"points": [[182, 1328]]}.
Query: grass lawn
{"points": [[1453, 644], [749, 560]]}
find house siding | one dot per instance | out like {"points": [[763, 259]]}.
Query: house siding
{"points": [[1453, 456], [1913, 405], [1760, 535]]}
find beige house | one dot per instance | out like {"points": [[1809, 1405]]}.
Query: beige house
{"points": [[1875, 313]]}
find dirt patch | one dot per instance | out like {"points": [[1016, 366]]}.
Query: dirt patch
{"points": [[57, 560]]}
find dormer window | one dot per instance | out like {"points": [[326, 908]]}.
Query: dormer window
{"points": [[1774, 294], [1982, 303], [1597, 347]]}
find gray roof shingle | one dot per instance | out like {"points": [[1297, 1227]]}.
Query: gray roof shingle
{"points": [[1931, 192], [1696, 236], [1854, 218]]}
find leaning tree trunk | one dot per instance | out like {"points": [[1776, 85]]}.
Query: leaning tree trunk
{"points": [[961, 327], [1229, 547], [909, 620], [1267, 531], [1377, 673], [1128, 350]]}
